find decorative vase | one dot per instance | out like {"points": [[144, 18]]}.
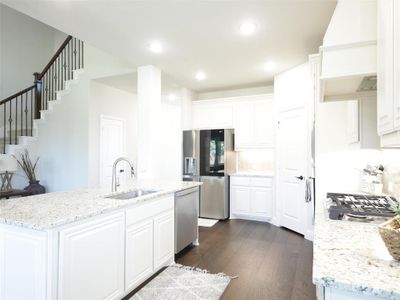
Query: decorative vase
{"points": [[390, 233], [35, 188]]}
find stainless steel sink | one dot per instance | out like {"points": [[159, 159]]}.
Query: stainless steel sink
{"points": [[132, 194]]}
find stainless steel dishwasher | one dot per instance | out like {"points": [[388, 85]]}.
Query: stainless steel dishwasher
{"points": [[186, 214]]}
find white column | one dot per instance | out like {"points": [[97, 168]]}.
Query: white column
{"points": [[186, 104], [149, 123]]}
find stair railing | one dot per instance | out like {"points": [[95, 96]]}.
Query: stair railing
{"points": [[20, 109]]}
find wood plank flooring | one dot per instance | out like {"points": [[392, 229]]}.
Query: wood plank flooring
{"points": [[272, 263]]}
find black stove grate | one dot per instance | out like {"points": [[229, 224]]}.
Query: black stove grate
{"points": [[360, 205]]}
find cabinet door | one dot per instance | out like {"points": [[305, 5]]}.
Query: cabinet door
{"points": [[91, 259], [244, 125], [261, 202], [164, 239], [138, 254], [264, 124], [396, 57], [385, 66], [352, 120], [240, 199]]}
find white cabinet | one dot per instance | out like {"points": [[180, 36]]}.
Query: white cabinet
{"points": [[22, 264], [211, 114], [241, 199], [251, 198], [91, 258], [252, 117], [149, 241], [254, 125], [138, 249], [352, 122], [385, 66], [389, 72], [164, 247]]}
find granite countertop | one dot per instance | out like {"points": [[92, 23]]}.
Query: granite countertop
{"points": [[43, 212], [253, 174], [351, 256]]}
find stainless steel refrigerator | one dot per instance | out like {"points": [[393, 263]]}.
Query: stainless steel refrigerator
{"points": [[208, 157]]}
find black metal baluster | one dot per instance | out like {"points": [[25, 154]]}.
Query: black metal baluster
{"points": [[10, 121], [83, 55], [26, 114], [21, 103], [75, 54], [79, 54], [16, 121], [32, 113], [4, 129]]}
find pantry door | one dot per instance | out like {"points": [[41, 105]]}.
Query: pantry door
{"points": [[112, 146], [292, 168]]}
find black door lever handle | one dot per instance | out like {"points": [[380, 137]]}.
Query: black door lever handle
{"points": [[300, 177]]}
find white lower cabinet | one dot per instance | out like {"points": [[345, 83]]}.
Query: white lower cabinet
{"points": [[164, 246], [138, 249], [91, 259], [251, 198], [103, 257]]}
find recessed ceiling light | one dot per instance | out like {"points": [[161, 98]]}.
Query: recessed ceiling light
{"points": [[200, 75], [248, 28], [156, 47], [269, 66], [171, 97]]}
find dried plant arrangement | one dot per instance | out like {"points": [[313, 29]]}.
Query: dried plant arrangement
{"points": [[27, 166]]}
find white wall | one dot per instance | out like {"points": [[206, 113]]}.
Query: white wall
{"points": [[26, 46], [112, 102]]}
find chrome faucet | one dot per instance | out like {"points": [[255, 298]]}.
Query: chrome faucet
{"points": [[114, 183]]}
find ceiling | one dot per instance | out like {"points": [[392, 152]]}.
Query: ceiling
{"points": [[195, 34]]}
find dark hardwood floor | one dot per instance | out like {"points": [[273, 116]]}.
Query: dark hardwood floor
{"points": [[271, 262]]}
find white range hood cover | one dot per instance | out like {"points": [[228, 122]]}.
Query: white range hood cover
{"points": [[348, 53]]}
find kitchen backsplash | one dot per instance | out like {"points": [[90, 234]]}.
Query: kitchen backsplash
{"points": [[255, 161]]}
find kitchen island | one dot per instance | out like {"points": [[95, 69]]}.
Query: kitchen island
{"points": [[85, 245], [351, 260]]}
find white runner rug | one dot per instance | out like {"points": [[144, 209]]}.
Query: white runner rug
{"points": [[179, 282], [207, 222]]}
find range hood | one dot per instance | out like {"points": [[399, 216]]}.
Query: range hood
{"points": [[348, 54]]}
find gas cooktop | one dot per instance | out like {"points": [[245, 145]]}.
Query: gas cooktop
{"points": [[357, 207]]}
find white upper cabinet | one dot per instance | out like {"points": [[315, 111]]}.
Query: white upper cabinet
{"points": [[252, 117], [254, 125], [385, 66], [389, 72]]}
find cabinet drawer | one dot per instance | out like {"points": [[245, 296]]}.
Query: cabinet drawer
{"points": [[239, 180], [261, 181], [148, 209]]}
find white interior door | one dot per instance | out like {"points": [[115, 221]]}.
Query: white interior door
{"points": [[292, 162], [112, 146]]}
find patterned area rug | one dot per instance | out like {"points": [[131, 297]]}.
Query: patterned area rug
{"points": [[178, 282]]}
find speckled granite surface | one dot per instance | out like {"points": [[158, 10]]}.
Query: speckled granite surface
{"points": [[50, 210], [352, 256], [254, 174]]}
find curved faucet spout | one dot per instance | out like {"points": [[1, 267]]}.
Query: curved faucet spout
{"points": [[114, 184]]}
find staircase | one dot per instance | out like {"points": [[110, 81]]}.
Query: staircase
{"points": [[21, 113]]}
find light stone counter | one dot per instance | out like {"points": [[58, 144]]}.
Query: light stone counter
{"points": [[253, 174], [351, 256], [50, 210]]}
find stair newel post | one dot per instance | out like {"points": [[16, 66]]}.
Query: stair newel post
{"points": [[38, 95]]}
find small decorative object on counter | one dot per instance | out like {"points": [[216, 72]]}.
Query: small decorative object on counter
{"points": [[25, 163], [371, 180], [8, 165], [390, 233]]}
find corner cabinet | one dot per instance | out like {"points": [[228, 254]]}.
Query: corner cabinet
{"points": [[389, 72], [251, 198]]}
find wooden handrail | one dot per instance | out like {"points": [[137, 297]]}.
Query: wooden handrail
{"points": [[55, 56], [17, 94]]}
